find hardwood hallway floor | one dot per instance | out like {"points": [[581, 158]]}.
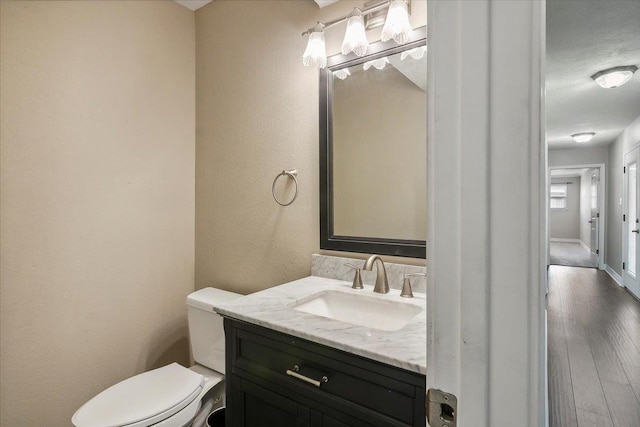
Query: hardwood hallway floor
{"points": [[594, 350]]}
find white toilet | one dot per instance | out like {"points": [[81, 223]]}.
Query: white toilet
{"points": [[171, 396]]}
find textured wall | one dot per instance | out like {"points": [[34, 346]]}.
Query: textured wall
{"points": [[623, 143], [565, 224], [97, 198], [257, 114]]}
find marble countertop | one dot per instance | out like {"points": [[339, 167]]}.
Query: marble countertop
{"points": [[271, 308]]}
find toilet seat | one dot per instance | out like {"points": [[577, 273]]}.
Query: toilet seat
{"points": [[142, 400]]}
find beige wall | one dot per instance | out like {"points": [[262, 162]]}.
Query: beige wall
{"points": [[257, 114], [97, 198]]}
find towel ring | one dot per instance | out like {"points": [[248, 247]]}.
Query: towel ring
{"points": [[291, 174]]}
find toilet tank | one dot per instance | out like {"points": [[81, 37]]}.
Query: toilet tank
{"points": [[206, 332]]}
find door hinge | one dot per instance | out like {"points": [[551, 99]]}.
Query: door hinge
{"points": [[624, 217], [623, 265], [598, 215], [441, 408], [597, 251], [624, 169]]}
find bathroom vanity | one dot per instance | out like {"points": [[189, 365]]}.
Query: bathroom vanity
{"points": [[288, 367]]}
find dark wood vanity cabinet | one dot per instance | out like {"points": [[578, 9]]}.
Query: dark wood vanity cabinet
{"points": [[349, 390]]}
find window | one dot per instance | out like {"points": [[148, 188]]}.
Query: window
{"points": [[558, 196]]}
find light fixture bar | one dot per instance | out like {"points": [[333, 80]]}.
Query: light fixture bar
{"points": [[365, 11]]}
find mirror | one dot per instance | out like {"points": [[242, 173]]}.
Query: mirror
{"points": [[373, 143]]}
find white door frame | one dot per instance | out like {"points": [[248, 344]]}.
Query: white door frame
{"points": [[602, 206], [487, 210], [624, 210]]}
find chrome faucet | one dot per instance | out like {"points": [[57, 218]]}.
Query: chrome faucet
{"points": [[382, 284]]}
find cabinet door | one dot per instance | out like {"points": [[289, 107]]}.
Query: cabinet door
{"points": [[255, 406], [319, 419]]}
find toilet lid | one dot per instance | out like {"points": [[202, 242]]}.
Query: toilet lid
{"points": [[141, 397]]}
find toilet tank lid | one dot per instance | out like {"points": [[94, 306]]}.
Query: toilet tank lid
{"points": [[205, 298], [152, 396]]}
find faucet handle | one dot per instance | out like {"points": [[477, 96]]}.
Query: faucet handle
{"points": [[407, 292], [357, 279]]}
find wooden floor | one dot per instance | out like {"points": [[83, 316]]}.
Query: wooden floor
{"points": [[594, 350]]}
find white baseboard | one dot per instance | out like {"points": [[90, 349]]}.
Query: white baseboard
{"points": [[615, 276], [563, 240], [584, 245]]}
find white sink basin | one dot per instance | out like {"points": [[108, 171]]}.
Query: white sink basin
{"points": [[359, 309]]}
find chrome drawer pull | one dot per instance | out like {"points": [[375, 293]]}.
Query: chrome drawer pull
{"points": [[295, 374]]}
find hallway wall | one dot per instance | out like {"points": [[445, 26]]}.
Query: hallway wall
{"points": [[565, 224], [624, 142]]}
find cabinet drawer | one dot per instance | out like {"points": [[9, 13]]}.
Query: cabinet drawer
{"points": [[353, 382]]}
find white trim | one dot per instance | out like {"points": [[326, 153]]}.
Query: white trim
{"points": [[584, 245], [624, 211], [602, 208], [486, 302], [615, 276], [563, 240]]}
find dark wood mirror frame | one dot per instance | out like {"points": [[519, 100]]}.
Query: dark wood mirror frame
{"points": [[328, 240]]}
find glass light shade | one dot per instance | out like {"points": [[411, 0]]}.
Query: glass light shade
{"points": [[614, 77], [415, 53], [355, 39], [315, 55], [342, 74], [397, 26], [583, 137], [378, 64]]}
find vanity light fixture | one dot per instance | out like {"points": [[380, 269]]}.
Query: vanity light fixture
{"points": [[583, 136], [378, 64], [396, 27], [316, 52], [614, 77], [355, 39], [415, 53], [342, 74]]}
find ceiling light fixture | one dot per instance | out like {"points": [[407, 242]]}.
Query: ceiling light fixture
{"points": [[614, 77], [583, 136], [355, 39], [396, 27]]}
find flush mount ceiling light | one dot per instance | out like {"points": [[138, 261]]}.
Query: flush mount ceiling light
{"points": [[396, 27], [614, 77], [583, 136], [316, 53], [355, 39]]}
